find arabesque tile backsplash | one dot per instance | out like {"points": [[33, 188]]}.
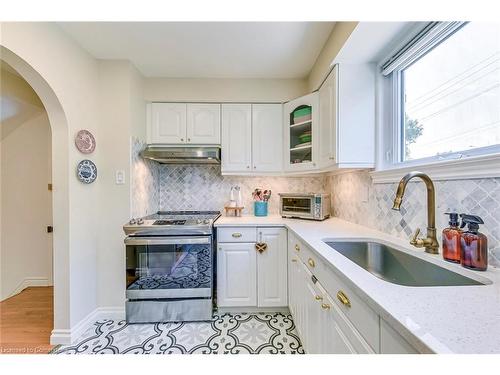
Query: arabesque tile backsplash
{"points": [[203, 187], [354, 196], [357, 199]]}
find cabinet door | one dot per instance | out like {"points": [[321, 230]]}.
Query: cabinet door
{"points": [[312, 306], [298, 155], [236, 137], [267, 137], [356, 115], [203, 124], [168, 123], [272, 268], [328, 120], [334, 341], [236, 274], [392, 342]]}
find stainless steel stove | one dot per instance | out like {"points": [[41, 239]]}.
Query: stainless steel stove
{"points": [[170, 266], [165, 223]]}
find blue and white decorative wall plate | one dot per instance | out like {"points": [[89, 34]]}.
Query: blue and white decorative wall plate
{"points": [[86, 171]]}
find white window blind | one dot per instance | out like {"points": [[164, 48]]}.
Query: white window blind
{"points": [[432, 34]]}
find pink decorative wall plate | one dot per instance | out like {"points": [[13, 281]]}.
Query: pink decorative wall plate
{"points": [[85, 142]]}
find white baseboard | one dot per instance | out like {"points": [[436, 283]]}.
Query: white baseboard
{"points": [[27, 283], [68, 336]]}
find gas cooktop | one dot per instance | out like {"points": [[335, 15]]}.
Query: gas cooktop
{"points": [[166, 223]]}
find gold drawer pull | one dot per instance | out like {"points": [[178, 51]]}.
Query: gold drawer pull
{"points": [[297, 247], [343, 298], [311, 262], [318, 298], [294, 260], [325, 306], [236, 235]]}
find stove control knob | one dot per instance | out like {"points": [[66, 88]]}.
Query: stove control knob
{"points": [[198, 221], [132, 221], [140, 221], [206, 221]]}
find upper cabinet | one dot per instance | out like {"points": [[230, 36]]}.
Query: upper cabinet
{"points": [[251, 138], [167, 123], [181, 123], [203, 123], [236, 137], [267, 141], [347, 117], [301, 133]]}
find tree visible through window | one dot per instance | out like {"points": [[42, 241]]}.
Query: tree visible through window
{"points": [[452, 95]]}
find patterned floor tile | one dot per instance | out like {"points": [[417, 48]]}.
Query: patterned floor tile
{"points": [[263, 333]]}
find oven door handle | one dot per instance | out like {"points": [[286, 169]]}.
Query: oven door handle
{"points": [[140, 241]]}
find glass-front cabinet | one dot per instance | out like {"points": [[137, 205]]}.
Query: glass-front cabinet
{"points": [[301, 133]]}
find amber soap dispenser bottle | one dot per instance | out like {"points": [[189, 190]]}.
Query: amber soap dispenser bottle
{"points": [[451, 239], [474, 245]]}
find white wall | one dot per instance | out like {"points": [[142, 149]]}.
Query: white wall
{"points": [[66, 79], [223, 90], [26, 202], [123, 113], [339, 35]]}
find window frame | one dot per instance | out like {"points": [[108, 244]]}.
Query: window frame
{"points": [[479, 162]]}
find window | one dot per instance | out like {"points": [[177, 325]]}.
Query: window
{"points": [[445, 90]]}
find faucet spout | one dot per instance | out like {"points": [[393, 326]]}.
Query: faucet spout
{"points": [[430, 243]]}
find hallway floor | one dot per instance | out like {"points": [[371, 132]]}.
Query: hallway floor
{"points": [[262, 333], [26, 321]]}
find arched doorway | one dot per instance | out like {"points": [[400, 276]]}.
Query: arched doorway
{"points": [[60, 183]]}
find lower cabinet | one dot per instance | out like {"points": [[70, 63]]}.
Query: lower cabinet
{"points": [[252, 274], [236, 276], [321, 325]]}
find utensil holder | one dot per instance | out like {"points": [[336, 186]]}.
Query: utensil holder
{"points": [[260, 208]]}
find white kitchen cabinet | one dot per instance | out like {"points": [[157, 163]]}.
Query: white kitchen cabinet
{"points": [[300, 155], [236, 137], [328, 120], [392, 342], [267, 138], [181, 123], [167, 124], [203, 124], [272, 268], [252, 138], [322, 326], [247, 277], [236, 274], [347, 117]]}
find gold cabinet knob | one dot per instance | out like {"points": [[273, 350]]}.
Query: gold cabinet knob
{"points": [[311, 262], [343, 298], [325, 306], [318, 298], [236, 235], [297, 247]]}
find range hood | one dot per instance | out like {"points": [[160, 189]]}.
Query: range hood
{"points": [[182, 155]]}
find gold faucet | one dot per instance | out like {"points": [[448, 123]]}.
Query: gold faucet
{"points": [[430, 243]]}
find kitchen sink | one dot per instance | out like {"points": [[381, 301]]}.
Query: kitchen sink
{"points": [[398, 267]]}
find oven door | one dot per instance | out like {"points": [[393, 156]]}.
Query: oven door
{"points": [[169, 267], [297, 206]]}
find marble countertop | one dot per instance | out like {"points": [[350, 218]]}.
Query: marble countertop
{"points": [[462, 319]]}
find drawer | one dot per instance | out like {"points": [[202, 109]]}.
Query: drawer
{"points": [[237, 234], [352, 306], [347, 332]]}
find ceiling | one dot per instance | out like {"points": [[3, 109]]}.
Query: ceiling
{"points": [[207, 49]]}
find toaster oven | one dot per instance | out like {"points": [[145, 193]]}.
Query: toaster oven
{"points": [[305, 206]]}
